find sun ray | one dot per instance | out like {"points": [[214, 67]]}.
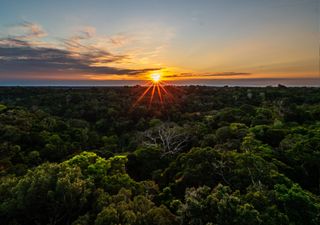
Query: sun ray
{"points": [[155, 86], [166, 92], [152, 94], [141, 96], [159, 94]]}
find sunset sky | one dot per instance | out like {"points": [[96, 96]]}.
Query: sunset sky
{"points": [[82, 42]]}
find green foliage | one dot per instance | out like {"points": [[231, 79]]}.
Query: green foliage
{"points": [[224, 206], [2, 107], [143, 163], [221, 206], [195, 168], [48, 194], [90, 164], [224, 156], [124, 208], [294, 200], [107, 173], [110, 142]]}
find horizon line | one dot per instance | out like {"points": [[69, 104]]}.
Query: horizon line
{"points": [[241, 82]]}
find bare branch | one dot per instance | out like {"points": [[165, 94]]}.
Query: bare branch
{"points": [[170, 137]]}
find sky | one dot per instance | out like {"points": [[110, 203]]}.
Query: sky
{"points": [[107, 42]]}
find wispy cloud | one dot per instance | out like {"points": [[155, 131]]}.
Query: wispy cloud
{"points": [[26, 31], [33, 30]]}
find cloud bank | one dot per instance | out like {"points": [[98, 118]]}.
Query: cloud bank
{"points": [[27, 54], [218, 74]]}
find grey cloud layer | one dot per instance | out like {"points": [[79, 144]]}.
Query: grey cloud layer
{"points": [[220, 74], [20, 54], [31, 59]]}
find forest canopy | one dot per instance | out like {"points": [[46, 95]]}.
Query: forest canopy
{"points": [[210, 155]]}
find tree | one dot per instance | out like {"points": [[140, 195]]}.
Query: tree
{"points": [[221, 206], [170, 138], [143, 162], [49, 194], [293, 200], [124, 208]]}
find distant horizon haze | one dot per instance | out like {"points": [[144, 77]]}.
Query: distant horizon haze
{"points": [[258, 82]]}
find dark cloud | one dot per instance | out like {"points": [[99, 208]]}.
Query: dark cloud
{"points": [[96, 55], [12, 41], [226, 74], [19, 54], [221, 74], [26, 58]]}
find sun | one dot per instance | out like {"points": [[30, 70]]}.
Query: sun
{"points": [[155, 77], [155, 91]]}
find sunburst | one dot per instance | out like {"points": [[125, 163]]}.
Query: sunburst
{"points": [[155, 91], [155, 77]]}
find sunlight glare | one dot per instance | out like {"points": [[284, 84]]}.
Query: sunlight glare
{"points": [[155, 92], [155, 77]]}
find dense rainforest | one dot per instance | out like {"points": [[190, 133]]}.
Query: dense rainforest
{"points": [[200, 156]]}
